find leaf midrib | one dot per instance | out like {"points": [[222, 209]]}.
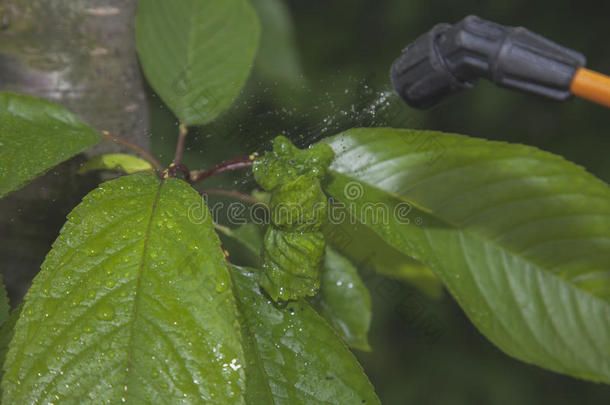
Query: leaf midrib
{"points": [[130, 347], [190, 45], [259, 358]]}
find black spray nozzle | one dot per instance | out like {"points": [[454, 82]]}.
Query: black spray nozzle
{"points": [[453, 57]]}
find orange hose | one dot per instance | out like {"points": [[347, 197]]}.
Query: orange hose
{"points": [[591, 86]]}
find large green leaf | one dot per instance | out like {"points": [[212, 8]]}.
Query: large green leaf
{"points": [[133, 303], [292, 355], [519, 236], [36, 135], [344, 300], [197, 54]]}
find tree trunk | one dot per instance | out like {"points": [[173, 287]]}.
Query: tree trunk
{"points": [[80, 54]]}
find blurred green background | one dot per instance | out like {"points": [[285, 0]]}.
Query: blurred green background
{"points": [[323, 68]]}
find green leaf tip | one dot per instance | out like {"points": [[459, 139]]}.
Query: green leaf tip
{"points": [[36, 135], [293, 248], [121, 162]]}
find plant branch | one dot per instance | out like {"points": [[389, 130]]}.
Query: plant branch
{"points": [[147, 156], [183, 131], [240, 162]]}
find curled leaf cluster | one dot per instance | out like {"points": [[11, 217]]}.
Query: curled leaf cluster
{"points": [[294, 246]]}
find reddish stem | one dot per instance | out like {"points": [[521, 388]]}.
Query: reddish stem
{"points": [[240, 162], [183, 131], [147, 156]]}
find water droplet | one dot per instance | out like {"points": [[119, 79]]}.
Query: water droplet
{"points": [[105, 312]]}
